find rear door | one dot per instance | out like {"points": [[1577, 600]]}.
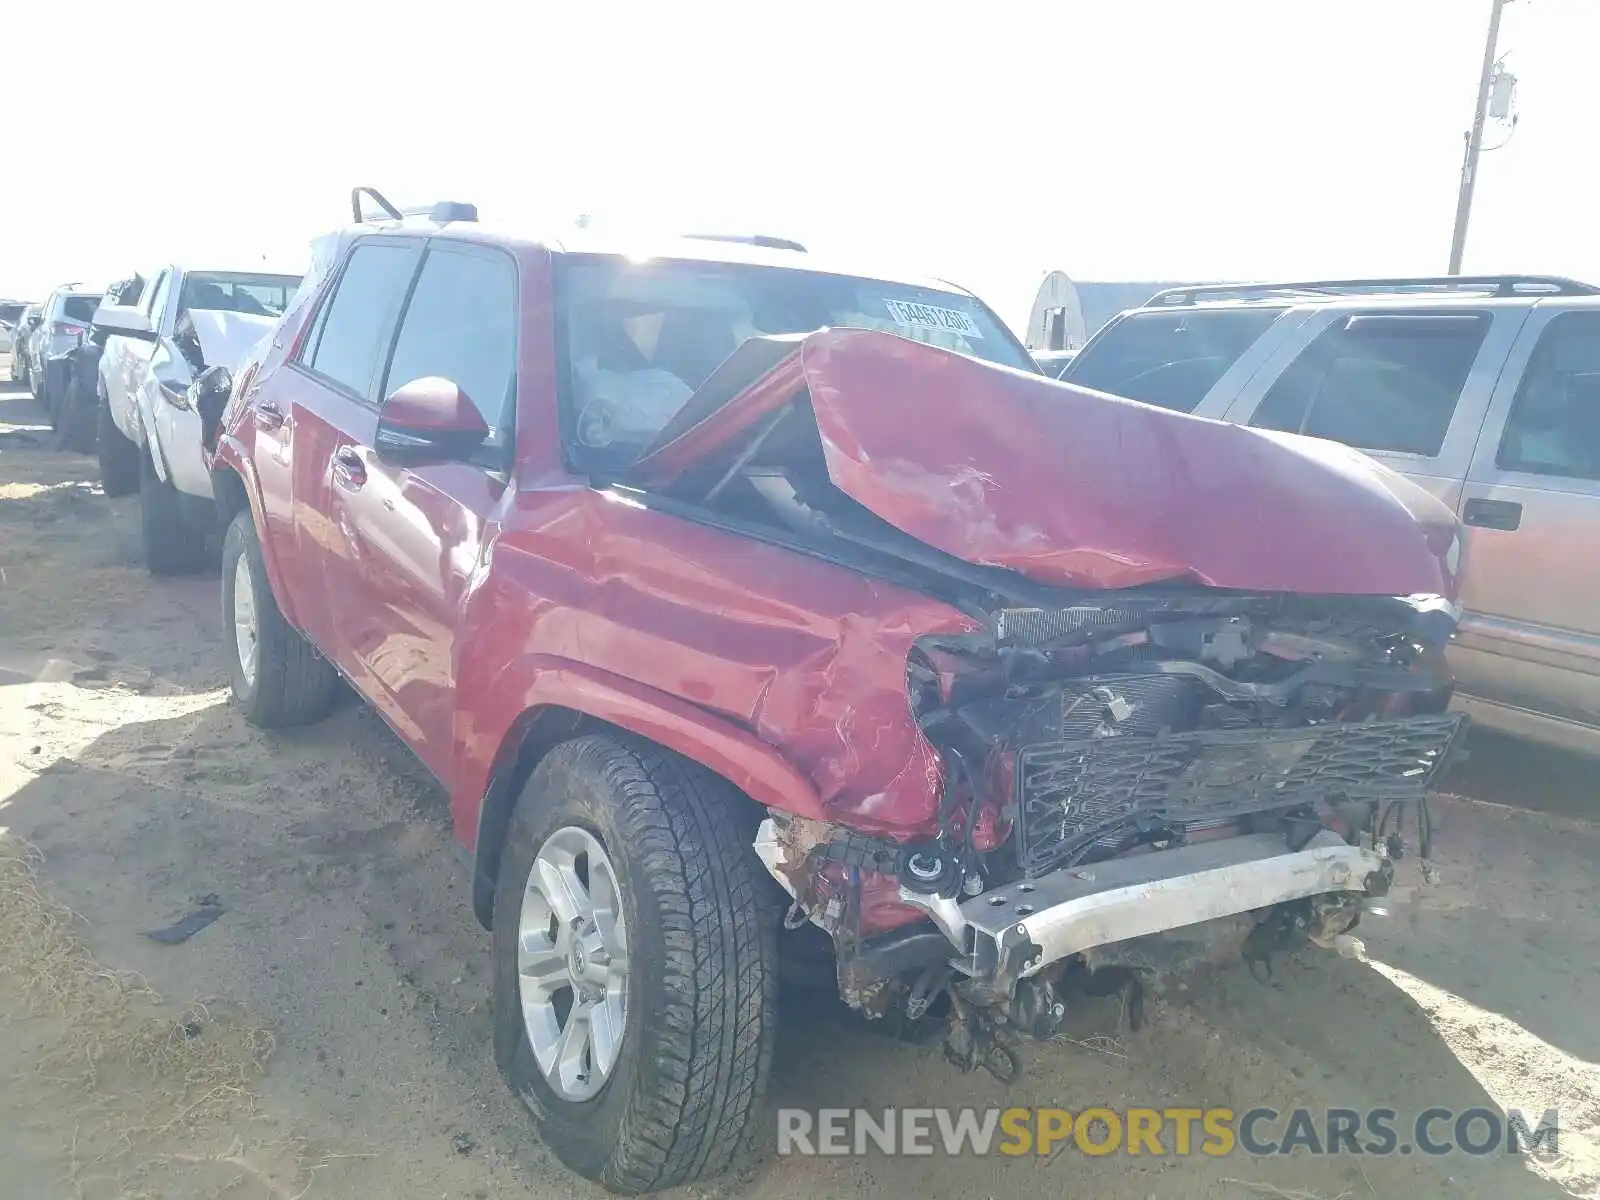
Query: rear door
{"points": [[313, 408], [1408, 386], [1531, 506], [412, 536]]}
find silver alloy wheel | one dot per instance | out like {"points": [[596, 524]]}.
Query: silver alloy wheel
{"points": [[572, 963], [245, 632]]}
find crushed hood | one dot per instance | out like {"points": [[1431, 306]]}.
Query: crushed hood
{"points": [[226, 338], [1068, 486]]}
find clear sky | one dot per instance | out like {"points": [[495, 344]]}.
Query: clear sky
{"points": [[1112, 139]]}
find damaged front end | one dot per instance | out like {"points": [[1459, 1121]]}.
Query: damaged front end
{"points": [[1198, 686], [1130, 787]]}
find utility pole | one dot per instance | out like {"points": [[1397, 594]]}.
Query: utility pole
{"points": [[1469, 166]]}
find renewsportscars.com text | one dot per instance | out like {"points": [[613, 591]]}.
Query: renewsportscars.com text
{"points": [[1179, 1132]]}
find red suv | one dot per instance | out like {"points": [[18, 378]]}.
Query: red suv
{"points": [[712, 581]]}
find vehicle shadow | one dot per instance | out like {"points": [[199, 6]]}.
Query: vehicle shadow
{"points": [[1505, 770]]}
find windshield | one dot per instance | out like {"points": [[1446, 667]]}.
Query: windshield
{"points": [[233, 291], [1170, 359], [640, 337]]}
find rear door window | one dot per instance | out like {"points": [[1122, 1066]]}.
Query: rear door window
{"points": [[461, 325], [1378, 381], [357, 320], [1170, 359], [1554, 427]]}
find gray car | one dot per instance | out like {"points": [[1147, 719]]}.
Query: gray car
{"points": [[1485, 390], [64, 319]]}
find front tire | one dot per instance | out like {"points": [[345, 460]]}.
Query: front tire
{"points": [[671, 1091], [278, 677], [172, 545], [119, 457]]}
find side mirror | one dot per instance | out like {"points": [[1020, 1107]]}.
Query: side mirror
{"points": [[214, 381], [124, 322], [429, 420]]}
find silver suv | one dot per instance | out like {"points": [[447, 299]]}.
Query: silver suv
{"points": [[1485, 390], [65, 319]]}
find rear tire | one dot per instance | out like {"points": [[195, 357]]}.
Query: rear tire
{"points": [[278, 677], [119, 457], [682, 1098], [48, 400], [172, 544], [78, 417]]}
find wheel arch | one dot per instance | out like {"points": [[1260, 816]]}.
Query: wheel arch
{"points": [[569, 699], [233, 490]]}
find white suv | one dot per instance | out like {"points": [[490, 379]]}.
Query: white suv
{"points": [[168, 360]]}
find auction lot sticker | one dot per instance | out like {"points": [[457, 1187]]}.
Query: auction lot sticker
{"points": [[929, 316]]}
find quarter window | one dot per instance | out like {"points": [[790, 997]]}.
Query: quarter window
{"points": [[360, 314], [461, 325], [1554, 427], [1383, 381]]}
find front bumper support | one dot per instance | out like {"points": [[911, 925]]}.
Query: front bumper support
{"points": [[1017, 930]]}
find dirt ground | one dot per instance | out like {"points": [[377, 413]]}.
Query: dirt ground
{"points": [[328, 1034]]}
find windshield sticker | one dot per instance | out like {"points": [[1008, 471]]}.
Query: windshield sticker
{"points": [[926, 316]]}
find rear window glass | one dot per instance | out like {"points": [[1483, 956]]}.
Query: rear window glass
{"points": [[80, 308], [1170, 359], [1378, 381]]}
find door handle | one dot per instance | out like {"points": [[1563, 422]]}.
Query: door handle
{"points": [[268, 415], [1492, 514], [349, 472]]}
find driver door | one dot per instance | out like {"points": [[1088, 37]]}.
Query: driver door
{"points": [[411, 537]]}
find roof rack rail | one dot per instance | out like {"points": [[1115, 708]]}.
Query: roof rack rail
{"points": [[1496, 285], [441, 211], [750, 239]]}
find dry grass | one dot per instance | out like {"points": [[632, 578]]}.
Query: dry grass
{"points": [[1098, 1043], [159, 1101], [1267, 1189]]}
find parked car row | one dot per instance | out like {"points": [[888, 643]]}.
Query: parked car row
{"points": [[756, 610]]}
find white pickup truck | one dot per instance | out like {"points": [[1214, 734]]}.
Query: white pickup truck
{"points": [[166, 360]]}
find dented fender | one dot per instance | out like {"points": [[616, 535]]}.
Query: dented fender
{"points": [[540, 681], [782, 672]]}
